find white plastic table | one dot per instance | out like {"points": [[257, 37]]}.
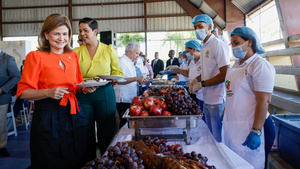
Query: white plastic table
{"points": [[218, 154]]}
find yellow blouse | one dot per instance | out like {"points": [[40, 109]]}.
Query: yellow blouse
{"points": [[105, 61]]}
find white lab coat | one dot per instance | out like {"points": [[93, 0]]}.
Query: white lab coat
{"points": [[241, 83]]}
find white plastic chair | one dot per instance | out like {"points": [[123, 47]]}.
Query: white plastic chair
{"points": [[25, 116], [11, 116]]}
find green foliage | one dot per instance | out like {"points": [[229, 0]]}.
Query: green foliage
{"points": [[126, 38], [178, 39]]}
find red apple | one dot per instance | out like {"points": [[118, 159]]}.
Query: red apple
{"points": [[148, 102], [175, 146], [137, 101], [145, 94], [181, 92], [156, 110], [144, 113], [157, 101], [163, 105], [163, 91], [166, 113], [135, 110]]}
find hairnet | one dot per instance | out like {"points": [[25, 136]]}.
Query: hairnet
{"points": [[193, 44], [183, 53], [247, 33], [203, 18]]}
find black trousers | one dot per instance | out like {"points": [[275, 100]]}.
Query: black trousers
{"points": [[57, 139], [122, 107]]}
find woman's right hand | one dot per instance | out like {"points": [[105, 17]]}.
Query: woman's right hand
{"points": [[57, 93]]}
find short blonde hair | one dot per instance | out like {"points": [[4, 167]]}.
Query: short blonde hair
{"points": [[51, 22]]}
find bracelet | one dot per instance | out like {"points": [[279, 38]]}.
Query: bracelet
{"points": [[256, 131], [203, 83]]}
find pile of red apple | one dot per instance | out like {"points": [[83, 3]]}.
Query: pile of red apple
{"points": [[149, 106]]}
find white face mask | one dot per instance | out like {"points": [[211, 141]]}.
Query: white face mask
{"points": [[238, 51], [200, 34]]}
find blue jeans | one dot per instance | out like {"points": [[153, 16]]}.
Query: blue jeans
{"points": [[269, 130], [212, 115]]}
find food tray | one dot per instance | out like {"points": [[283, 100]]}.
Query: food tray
{"points": [[163, 82], [182, 123]]}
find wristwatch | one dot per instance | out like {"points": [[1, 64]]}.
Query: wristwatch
{"points": [[256, 131], [203, 83]]}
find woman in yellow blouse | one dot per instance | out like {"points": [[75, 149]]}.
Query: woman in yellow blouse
{"points": [[96, 58]]}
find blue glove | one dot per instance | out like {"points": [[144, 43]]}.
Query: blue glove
{"points": [[169, 72], [252, 141], [181, 83]]}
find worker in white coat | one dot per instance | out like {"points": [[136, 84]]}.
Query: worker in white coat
{"points": [[193, 48], [249, 86]]}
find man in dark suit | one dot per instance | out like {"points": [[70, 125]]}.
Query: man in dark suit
{"points": [[172, 60], [157, 64], [9, 77]]}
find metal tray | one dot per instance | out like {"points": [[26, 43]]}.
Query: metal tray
{"points": [[183, 124]]}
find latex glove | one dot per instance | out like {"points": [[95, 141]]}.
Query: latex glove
{"points": [[169, 72], [252, 141], [190, 85], [196, 86], [181, 83]]}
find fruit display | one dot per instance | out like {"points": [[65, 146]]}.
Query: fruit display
{"points": [[119, 156], [149, 153], [148, 106], [181, 104], [161, 90], [174, 101]]}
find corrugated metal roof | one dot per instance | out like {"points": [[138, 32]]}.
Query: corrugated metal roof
{"points": [[165, 12], [246, 5], [21, 3]]}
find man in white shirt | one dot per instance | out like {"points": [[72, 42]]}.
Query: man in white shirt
{"points": [[126, 91], [215, 61]]}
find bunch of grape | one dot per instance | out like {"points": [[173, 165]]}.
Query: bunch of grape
{"points": [[156, 144], [120, 156], [181, 104], [199, 158]]}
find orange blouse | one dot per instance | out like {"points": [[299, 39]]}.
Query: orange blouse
{"points": [[42, 71]]}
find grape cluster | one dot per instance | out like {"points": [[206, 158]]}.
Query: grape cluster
{"points": [[156, 144], [181, 104], [120, 156], [199, 158]]}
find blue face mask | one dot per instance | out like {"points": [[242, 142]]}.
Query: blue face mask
{"points": [[238, 52], [189, 56], [201, 34], [180, 61], [185, 61]]}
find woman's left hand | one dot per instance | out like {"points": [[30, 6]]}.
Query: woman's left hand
{"points": [[89, 89], [252, 141]]}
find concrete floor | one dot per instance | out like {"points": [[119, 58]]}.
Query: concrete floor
{"points": [[18, 147]]}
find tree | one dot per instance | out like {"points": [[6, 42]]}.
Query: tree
{"points": [[126, 38], [179, 39]]}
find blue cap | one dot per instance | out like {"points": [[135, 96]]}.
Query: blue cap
{"points": [[247, 33], [183, 53], [193, 44], [203, 18]]}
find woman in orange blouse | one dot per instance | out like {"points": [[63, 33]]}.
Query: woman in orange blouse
{"points": [[50, 75]]}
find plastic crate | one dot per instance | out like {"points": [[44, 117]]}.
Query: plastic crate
{"points": [[288, 137]]}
